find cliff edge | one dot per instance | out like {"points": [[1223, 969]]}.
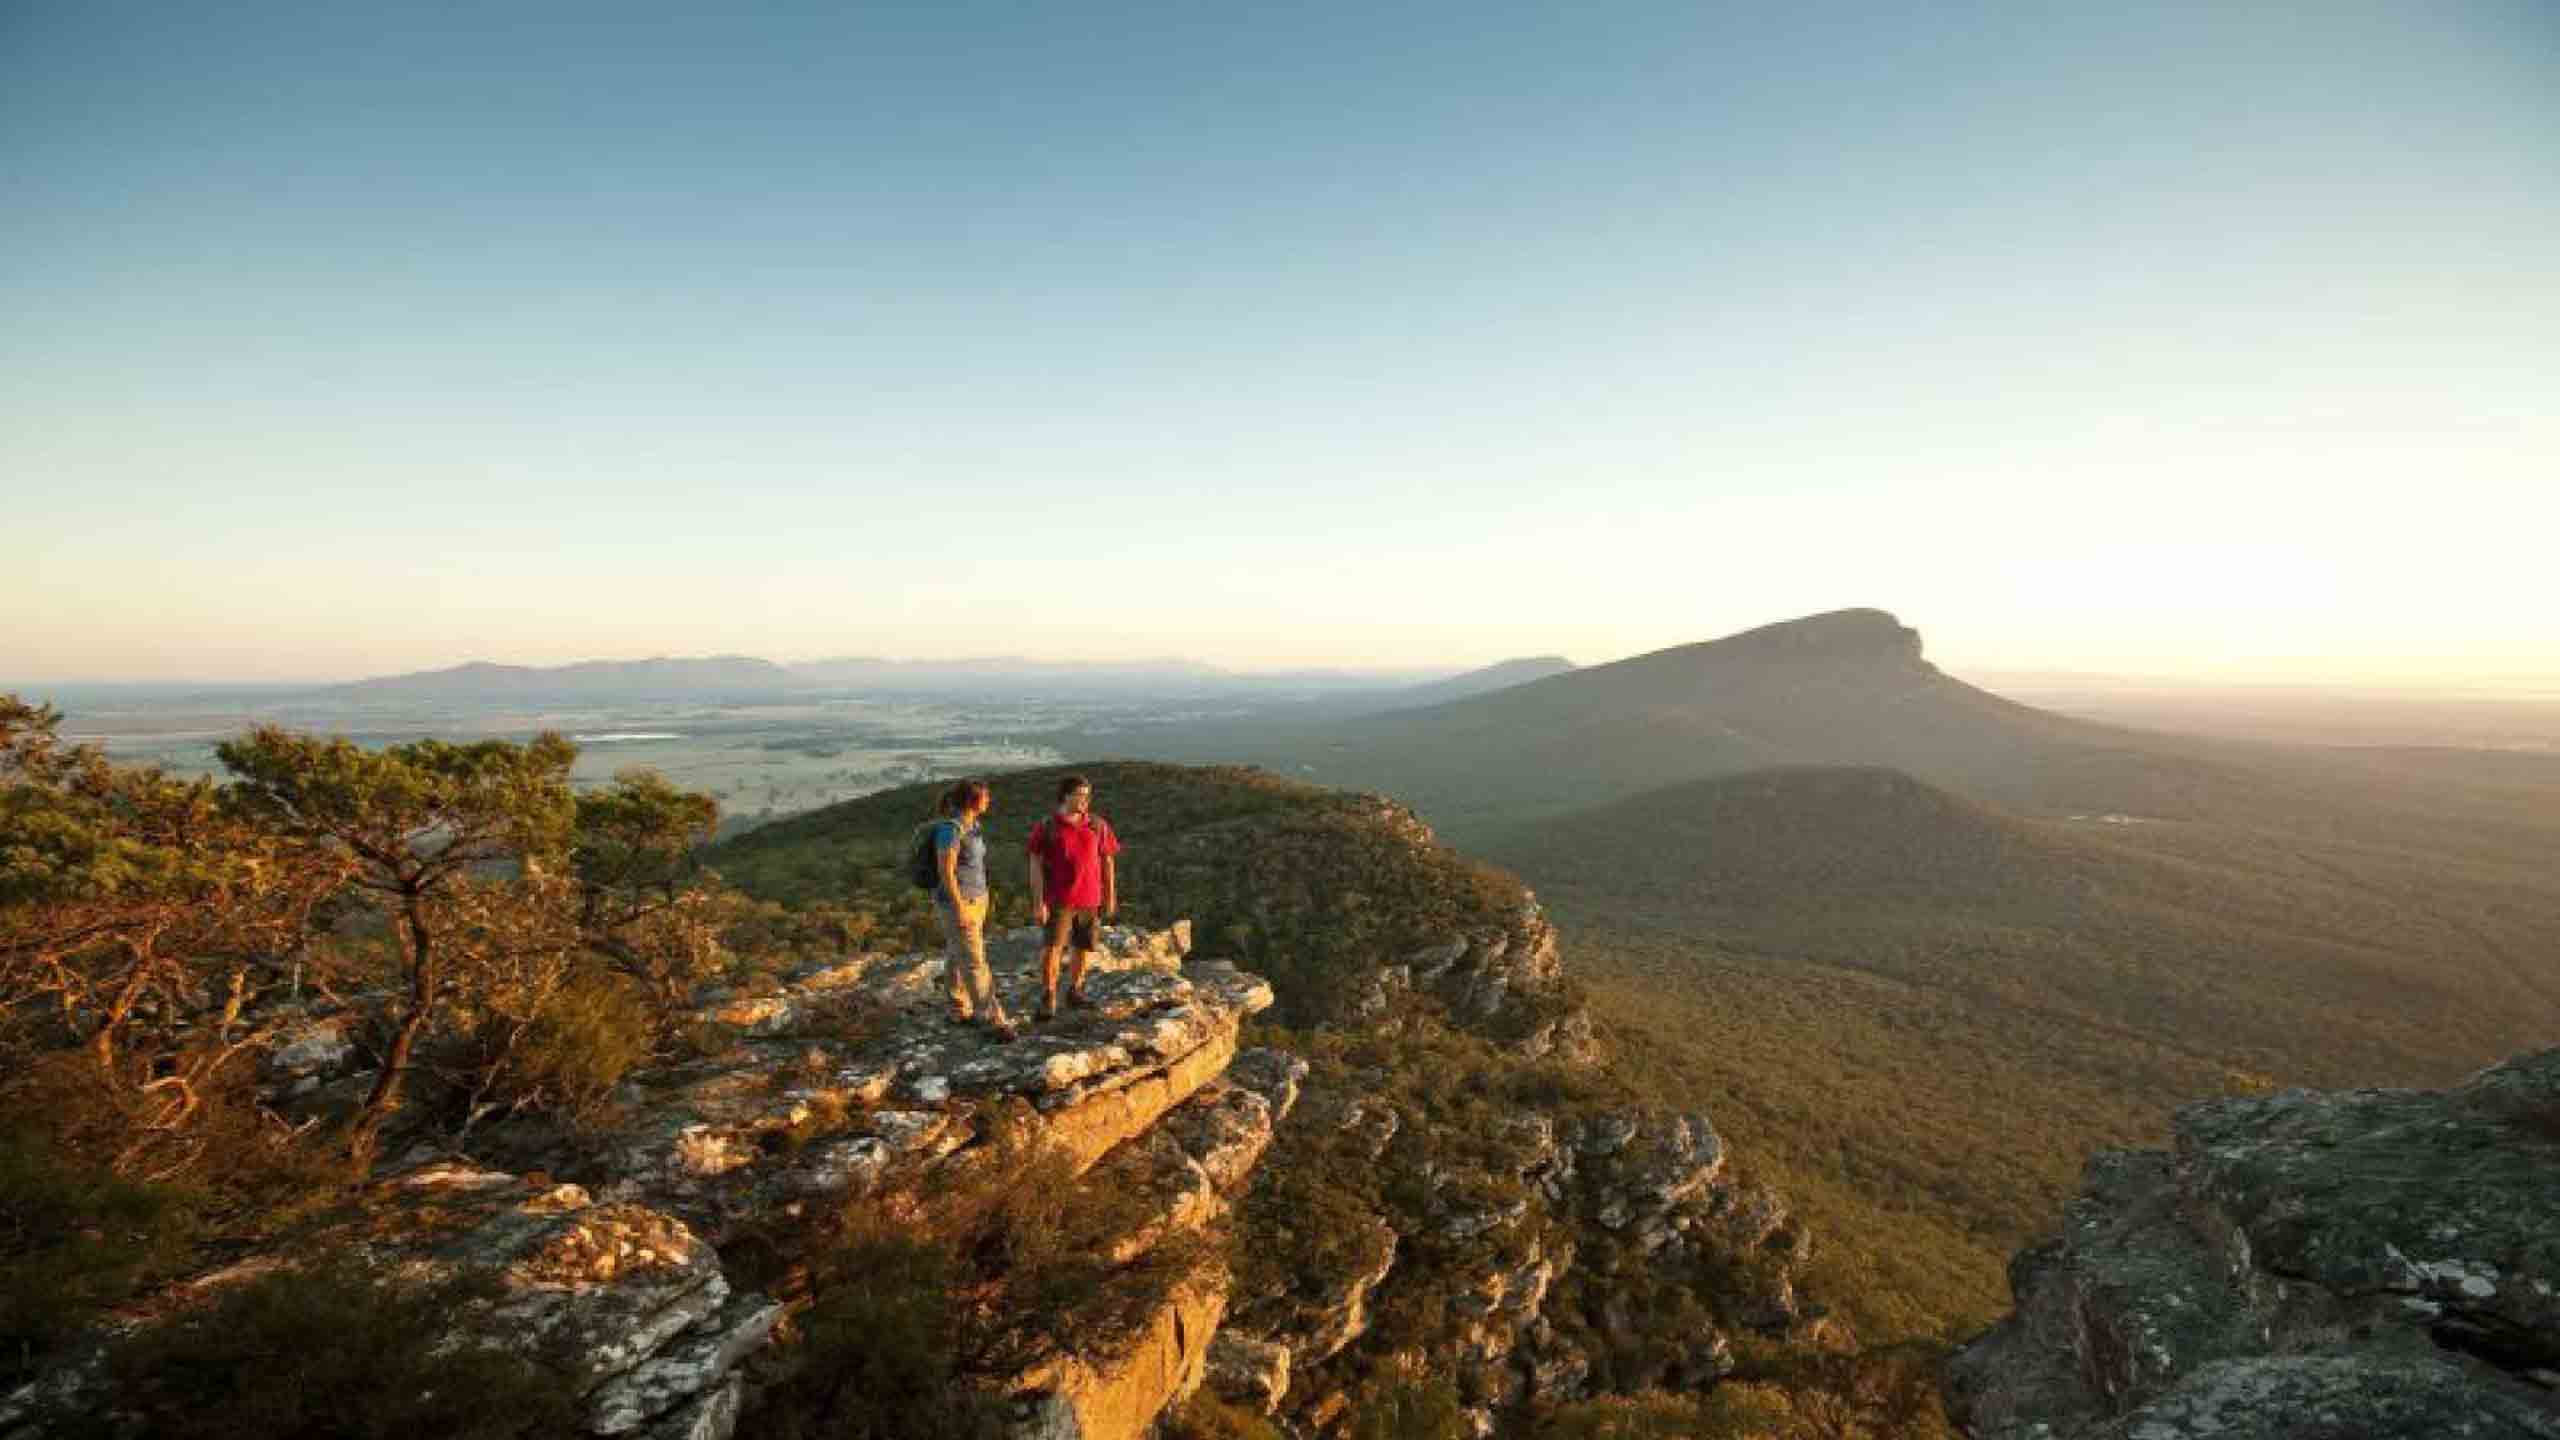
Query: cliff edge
{"points": [[2366, 1263]]}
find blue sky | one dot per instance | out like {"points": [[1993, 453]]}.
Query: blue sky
{"points": [[2219, 339]]}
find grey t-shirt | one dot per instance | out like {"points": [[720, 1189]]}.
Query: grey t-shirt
{"points": [[970, 874]]}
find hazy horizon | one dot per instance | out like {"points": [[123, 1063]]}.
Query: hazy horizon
{"points": [[1992, 675], [2206, 342]]}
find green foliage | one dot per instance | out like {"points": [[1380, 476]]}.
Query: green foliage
{"points": [[1206, 1417], [410, 812], [1852, 970], [125, 895], [74, 1239], [148, 927], [880, 1353], [642, 902], [924, 1298], [97, 1206], [1401, 1408], [577, 1045], [1889, 1393], [1656, 1416], [339, 1350]]}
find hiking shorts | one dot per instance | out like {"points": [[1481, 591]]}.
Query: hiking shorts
{"points": [[1074, 926]]}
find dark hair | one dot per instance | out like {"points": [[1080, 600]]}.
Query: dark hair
{"points": [[961, 798], [1072, 784]]}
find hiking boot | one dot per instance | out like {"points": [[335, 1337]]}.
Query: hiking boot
{"points": [[1048, 1009], [1078, 1000], [1003, 1032]]}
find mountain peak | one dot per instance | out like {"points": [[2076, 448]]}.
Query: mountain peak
{"points": [[1842, 632]]}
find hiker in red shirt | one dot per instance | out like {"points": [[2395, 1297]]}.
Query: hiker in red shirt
{"points": [[1074, 886]]}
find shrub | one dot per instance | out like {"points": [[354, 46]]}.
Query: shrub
{"points": [[879, 1354], [73, 1239], [1406, 1409], [926, 1301], [1206, 1417], [569, 1054], [341, 1350]]}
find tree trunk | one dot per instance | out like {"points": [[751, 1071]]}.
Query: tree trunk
{"points": [[413, 1018], [102, 1044]]}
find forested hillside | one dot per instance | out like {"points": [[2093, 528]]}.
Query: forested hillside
{"points": [[1928, 947], [1452, 1074]]}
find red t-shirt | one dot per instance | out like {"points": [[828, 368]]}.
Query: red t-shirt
{"points": [[1071, 858]]}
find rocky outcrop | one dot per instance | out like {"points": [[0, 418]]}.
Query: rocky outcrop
{"points": [[834, 1084], [846, 1075], [1118, 1394], [1478, 974], [2364, 1263]]}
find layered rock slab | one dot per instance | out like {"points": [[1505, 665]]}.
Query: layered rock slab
{"points": [[2364, 1262], [849, 1074]]}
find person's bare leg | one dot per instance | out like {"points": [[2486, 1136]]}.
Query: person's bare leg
{"points": [[1057, 941], [1075, 978]]}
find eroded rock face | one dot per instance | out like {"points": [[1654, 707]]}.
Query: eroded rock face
{"points": [[1316, 1328], [1249, 1372], [1118, 1394], [2378, 1262]]}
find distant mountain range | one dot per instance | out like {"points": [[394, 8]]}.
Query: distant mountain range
{"points": [[1471, 683], [588, 679], [746, 677]]}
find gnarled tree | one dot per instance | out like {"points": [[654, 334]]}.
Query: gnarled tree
{"points": [[431, 830], [642, 901], [140, 914]]}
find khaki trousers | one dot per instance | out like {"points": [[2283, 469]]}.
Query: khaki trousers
{"points": [[964, 949]]}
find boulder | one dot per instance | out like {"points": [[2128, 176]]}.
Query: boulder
{"points": [[1249, 1372]]}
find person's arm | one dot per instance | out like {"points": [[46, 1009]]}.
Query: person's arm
{"points": [[1039, 881], [948, 857], [1109, 847]]}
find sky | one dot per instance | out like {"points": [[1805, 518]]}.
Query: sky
{"points": [[2208, 339]]}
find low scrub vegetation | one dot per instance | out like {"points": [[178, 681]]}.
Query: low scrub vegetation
{"points": [[486, 939], [926, 1304], [336, 1351]]}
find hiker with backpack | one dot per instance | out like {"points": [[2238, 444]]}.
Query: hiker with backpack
{"points": [[1074, 886], [949, 857]]}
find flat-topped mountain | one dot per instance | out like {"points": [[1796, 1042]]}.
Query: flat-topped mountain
{"points": [[1853, 687], [1849, 687]]}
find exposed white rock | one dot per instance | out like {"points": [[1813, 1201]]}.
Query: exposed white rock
{"points": [[688, 1367]]}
